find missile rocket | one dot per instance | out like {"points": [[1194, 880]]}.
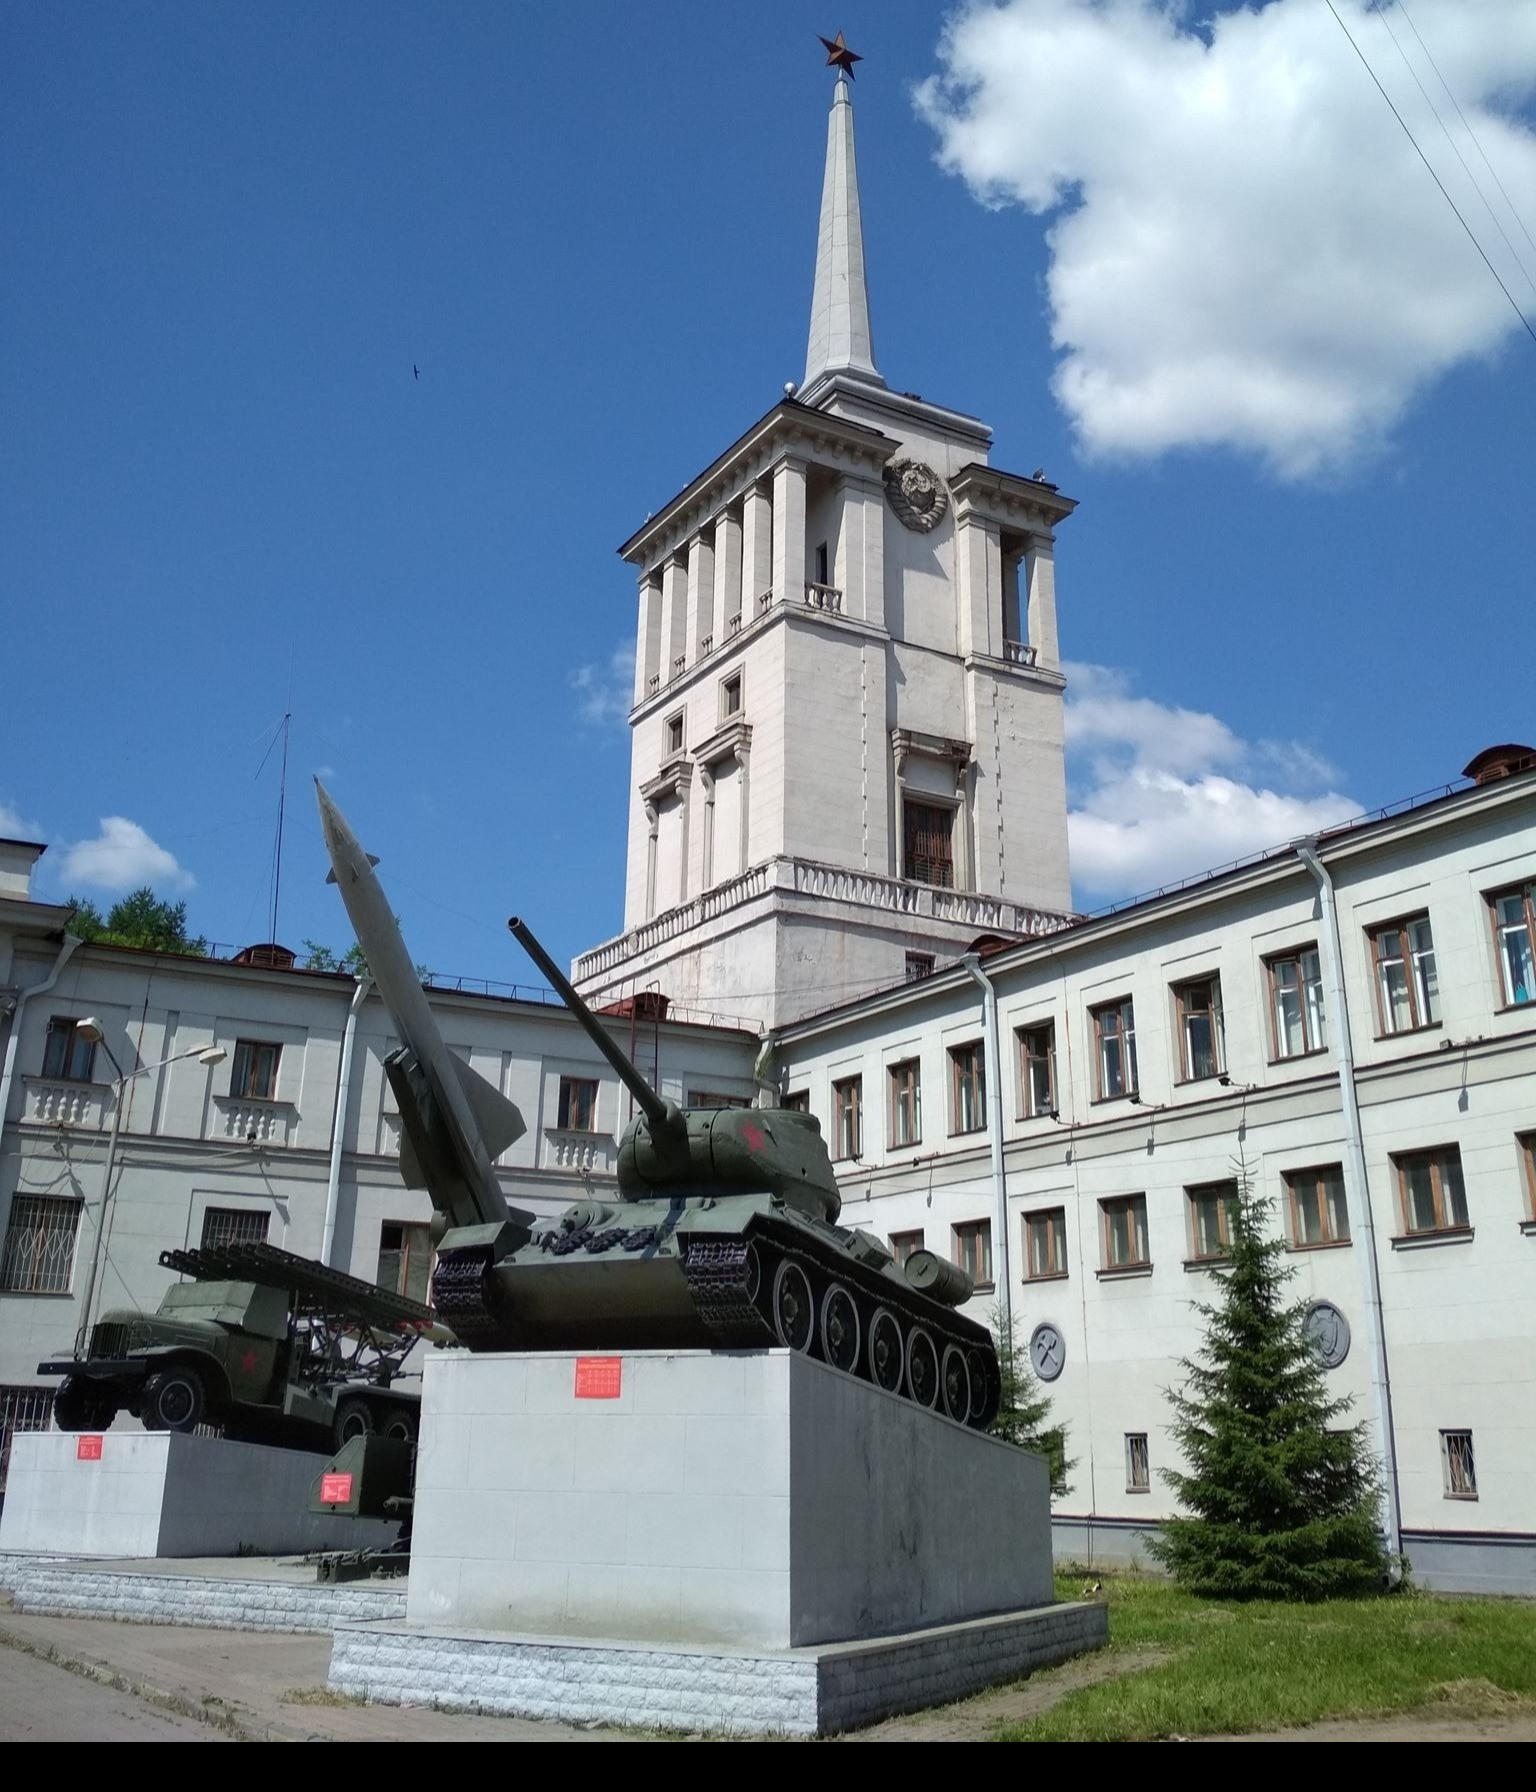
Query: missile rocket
{"points": [[453, 1122]]}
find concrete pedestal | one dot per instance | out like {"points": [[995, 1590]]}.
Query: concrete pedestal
{"points": [[158, 1493]]}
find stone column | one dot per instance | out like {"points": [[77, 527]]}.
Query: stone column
{"points": [[1040, 581], [727, 597], [861, 550], [707, 832], [701, 593], [674, 608], [789, 532], [978, 586], [756, 548], [648, 637]]}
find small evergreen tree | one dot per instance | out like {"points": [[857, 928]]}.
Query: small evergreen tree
{"points": [[1024, 1407], [1279, 1502], [139, 919]]}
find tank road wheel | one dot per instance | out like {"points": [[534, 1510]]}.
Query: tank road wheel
{"points": [[984, 1394], [753, 1271], [884, 1351], [174, 1400], [399, 1424], [794, 1310], [353, 1418], [955, 1382], [840, 1329], [922, 1368]]}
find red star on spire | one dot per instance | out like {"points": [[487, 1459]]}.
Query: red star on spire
{"points": [[839, 56]]}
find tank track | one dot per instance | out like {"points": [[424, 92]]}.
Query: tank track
{"points": [[719, 1280], [459, 1295]]}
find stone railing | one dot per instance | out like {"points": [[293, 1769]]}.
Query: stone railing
{"points": [[580, 1153], [1020, 653], [765, 601], [55, 1101], [657, 932], [824, 597], [653, 683], [257, 1122], [733, 624], [706, 646]]}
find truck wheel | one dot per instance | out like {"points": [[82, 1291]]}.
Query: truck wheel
{"points": [[354, 1418], [80, 1405], [174, 1400], [399, 1425]]}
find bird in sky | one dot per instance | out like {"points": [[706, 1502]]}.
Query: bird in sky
{"points": [[415, 370]]}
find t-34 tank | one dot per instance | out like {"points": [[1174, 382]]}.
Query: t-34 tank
{"points": [[723, 1233]]}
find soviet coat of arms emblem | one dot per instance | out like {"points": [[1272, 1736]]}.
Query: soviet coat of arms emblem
{"points": [[916, 493]]}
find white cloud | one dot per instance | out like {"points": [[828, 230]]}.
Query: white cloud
{"points": [[123, 857], [1246, 250], [605, 694], [15, 826], [1160, 792]]}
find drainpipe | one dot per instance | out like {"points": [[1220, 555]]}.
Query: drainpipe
{"points": [[993, 1060], [339, 1120], [1356, 1185], [67, 951]]}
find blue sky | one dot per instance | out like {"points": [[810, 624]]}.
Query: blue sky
{"points": [[232, 230]]}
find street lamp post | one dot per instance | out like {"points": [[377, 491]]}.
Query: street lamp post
{"points": [[91, 1030]]}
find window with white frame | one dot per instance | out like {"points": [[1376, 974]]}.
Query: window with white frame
{"points": [[1459, 1465], [1407, 993], [234, 1225], [1114, 1038], [1513, 914], [253, 1075], [1045, 1244], [973, 1251], [1296, 1003], [1124, 1222], [67, 1055], [1319, 1212], [1198, 1004], [967, 1088], [847, 1117], [1037, 1070], [1138, 1463], [1431, 1190], [40, 1245]]}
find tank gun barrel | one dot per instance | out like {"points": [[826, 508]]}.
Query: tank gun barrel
{"points": [[649, 1102]]}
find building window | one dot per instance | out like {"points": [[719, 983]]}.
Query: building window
{"points": [[1114, 1036], [1407, 995], [903, 1244], [1319, 1214], [1200, 1034], [405, 1259], [709, 1098], [823, 564], [65, 1054], [1430, 1187], [973, 1251], [40, 1245], [919, 965], [928, 855], [1514, 927], [1211, 1206], [1138, 1465], [21, 1409], [906, 1103], [847, 1117], [1045, 1244], [798, 1101], [1037, 1070], [1296, 1003], [674, 734], [233, 1225], [254, 1076], [578, 1104], [730, 698], [1460, 1465], [1125, 1232], [967, 1088], [1526, 1144]]}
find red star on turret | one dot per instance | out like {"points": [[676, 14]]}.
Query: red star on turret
{"points": [[839, 56], [752, 1137]]}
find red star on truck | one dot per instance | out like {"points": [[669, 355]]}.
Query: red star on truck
{"points": [[248, 1362]]}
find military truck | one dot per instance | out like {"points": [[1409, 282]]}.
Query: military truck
{"points": [[261, 1344]]}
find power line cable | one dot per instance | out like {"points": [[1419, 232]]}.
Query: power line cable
{"points": [[1466, 124], [1471, 235], [1455, 147]]}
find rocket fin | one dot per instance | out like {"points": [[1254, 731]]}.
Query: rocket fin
{"points": [[372, 858], [499, 1120]]}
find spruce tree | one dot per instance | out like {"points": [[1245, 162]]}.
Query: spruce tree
{"points": [[1024, 1407], [1279, 1501]]}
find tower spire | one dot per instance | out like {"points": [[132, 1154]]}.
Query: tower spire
{"points": [[840, 339]]}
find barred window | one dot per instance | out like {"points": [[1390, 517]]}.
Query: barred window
{"points": [[234, 1225], [1138, 1464], [40, 1245], [21, 1409], [1460, 1465]]}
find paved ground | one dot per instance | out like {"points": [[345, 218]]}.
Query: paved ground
{"points": [[91, 1680]]}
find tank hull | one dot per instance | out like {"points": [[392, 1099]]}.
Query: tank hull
{"points": [[703, 1271]]}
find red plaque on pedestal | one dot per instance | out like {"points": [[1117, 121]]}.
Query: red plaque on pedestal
{"points": [[88, 1449], [599, 1377]]}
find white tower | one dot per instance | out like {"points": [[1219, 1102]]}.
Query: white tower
{"points": [[847, 731]]}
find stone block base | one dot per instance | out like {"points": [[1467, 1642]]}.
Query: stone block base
{"points": [[797, 1692]]}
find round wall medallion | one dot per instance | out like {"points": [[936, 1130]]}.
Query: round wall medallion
{"points": [[1327, 1331], [1047, 1351], [916, 493]]}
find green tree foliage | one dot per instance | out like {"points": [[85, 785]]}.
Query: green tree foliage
{"points": [[1279, 1501], [139, 919], [1024, 1407], [322, 958]]}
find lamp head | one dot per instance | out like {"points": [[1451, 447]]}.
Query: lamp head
{"points": [[90, 1030], [212, 1054]]}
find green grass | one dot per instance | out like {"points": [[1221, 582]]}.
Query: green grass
{"points": [[1233, 1668]]}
